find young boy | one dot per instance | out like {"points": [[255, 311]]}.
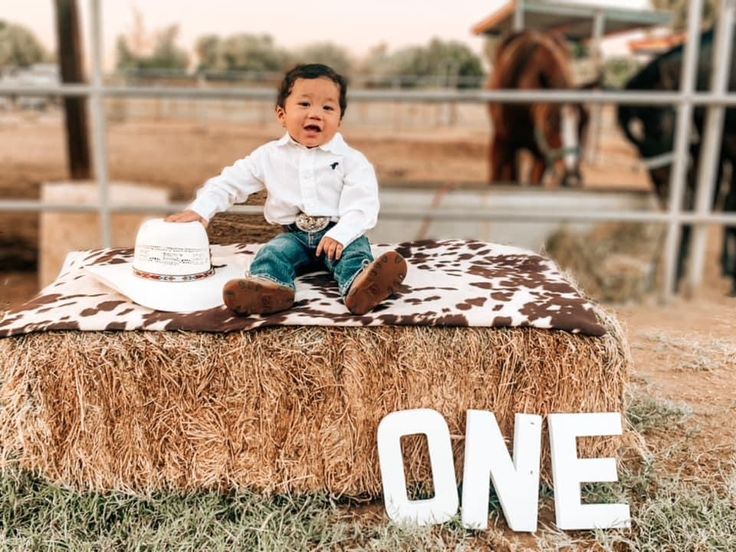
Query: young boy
{"points": [[323, 192]]}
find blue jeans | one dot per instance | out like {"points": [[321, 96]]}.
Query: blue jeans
{"points": [[291, 254]]}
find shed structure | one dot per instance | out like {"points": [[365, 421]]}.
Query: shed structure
{"points": [[577, 21]]}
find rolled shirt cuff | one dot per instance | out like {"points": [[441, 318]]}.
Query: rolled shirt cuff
{"points": [[343, 234], [205, 209]]}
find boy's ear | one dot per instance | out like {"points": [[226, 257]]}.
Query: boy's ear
{"points": [[281, 115]]}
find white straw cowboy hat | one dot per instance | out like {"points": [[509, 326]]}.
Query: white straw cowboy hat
{"points": [[171, 270]]}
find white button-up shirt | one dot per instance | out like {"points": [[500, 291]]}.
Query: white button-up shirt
{"points": [[331, 180]]}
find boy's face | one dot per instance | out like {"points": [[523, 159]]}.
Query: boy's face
{"points": [[311, 112]]}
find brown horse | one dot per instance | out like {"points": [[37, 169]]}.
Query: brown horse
{"points": [[531, 60]]}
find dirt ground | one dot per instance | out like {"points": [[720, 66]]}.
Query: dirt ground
{"points": [[683, 351]]}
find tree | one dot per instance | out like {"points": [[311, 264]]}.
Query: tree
{"points": [[240, 52], [140, 50], [447, 60], [19, 47], [208, 50], [327, 53]]}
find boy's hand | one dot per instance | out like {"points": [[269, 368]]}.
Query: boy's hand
{"points": [[187, 216], [331, 248]]}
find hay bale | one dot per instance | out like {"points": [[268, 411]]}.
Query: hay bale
{"points": [[289, 409], [614, 262]]}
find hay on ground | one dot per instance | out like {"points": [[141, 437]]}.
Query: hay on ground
{"points": [[290, 409], [614, 262]]}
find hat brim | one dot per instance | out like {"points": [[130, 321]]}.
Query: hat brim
{"points": [[181, 297]]}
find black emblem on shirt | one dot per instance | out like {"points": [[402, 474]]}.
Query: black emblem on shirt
{"points": [[333, 165]]}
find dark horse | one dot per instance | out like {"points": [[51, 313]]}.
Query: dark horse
{"points": [[531, 60], [651, 130]]}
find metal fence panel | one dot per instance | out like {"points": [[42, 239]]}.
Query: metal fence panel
{"points": [[685, 99]]}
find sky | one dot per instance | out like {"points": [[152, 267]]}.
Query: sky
{"points": [[355, 25]]}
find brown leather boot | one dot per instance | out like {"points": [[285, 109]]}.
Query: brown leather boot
{"points": [[376, 283], [252, 295]]}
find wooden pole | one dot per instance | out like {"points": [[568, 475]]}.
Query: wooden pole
{"points": [[75, 108]]}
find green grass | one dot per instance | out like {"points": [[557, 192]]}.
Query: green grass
{"points": [[38, 515], [646, 413], [35, 515]]}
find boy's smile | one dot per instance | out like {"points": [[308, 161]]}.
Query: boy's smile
{"points": [[311, 113]]}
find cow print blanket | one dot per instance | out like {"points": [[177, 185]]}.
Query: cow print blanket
{"points": [[449, 283]]}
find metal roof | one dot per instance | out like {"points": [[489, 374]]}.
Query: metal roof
{"points": [[575, 21]]}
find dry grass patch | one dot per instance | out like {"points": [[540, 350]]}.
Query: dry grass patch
{"points": [[646, 413], [694, 353]]}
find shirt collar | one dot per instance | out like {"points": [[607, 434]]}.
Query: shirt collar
{"points": [[336, 145]]}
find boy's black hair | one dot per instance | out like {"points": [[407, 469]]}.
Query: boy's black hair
{"points": [[312, 71]]}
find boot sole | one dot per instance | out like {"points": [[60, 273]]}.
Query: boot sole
{"points": [[383, 278], [250, 296]]}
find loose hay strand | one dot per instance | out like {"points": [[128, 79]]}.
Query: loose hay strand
{"points": [[280, 410]]}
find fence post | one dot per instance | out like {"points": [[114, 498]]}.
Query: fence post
{"points": [[75, 108], [99, 123], [519, 15], [682, 145], [596, 116], [711, 145]]}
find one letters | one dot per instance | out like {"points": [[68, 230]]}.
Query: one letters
{"points": [[487, 459]]}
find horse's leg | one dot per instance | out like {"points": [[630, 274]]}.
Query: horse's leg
{"points": [[539, 167], [683, 254], [728, 254], [512, 166], [502, 162], [494, 162]]}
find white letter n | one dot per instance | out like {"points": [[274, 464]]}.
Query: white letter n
{"points": [[516, 483]]}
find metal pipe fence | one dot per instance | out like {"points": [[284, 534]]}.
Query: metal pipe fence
{"points": [[682, 139], [674, 217], [429, 96], [445, 213], [708, 172]]}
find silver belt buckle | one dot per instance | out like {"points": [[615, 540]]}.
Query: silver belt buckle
{"points": [[305, 223]]}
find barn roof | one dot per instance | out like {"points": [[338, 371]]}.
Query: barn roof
{"points": [[576, 21]]}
